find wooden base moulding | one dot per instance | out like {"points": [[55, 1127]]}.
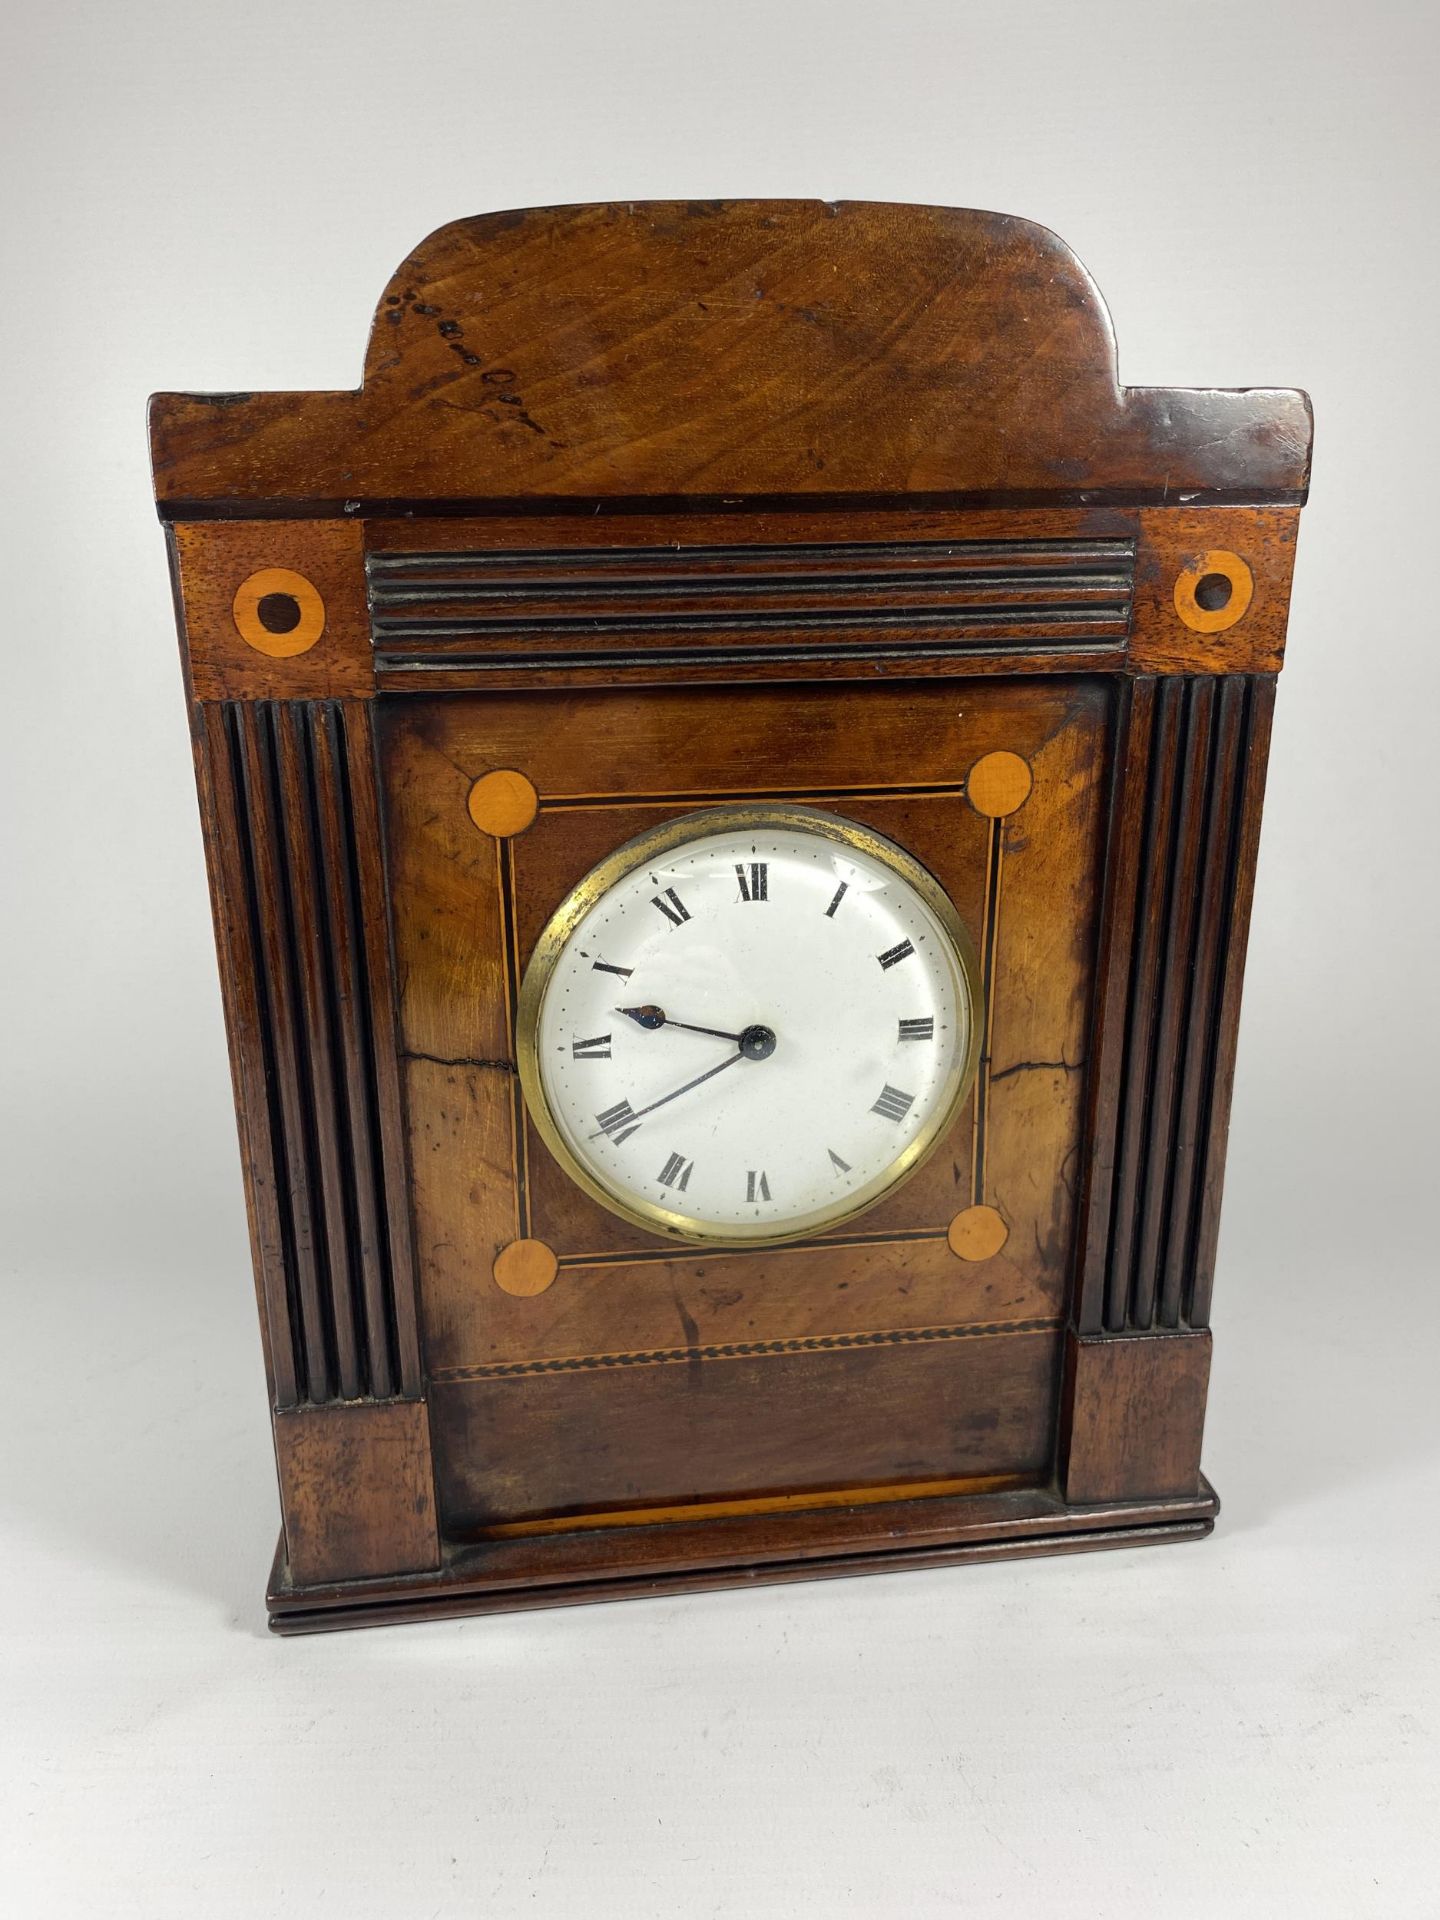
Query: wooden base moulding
{"points": [[707, 1556]]}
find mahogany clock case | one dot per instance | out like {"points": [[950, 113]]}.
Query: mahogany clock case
{"points": [[644, 510]]}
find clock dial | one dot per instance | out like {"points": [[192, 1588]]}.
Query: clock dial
{"points": [[749, 1024]]}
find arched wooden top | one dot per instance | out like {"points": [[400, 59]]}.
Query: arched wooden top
{"points": [[736, 349]]}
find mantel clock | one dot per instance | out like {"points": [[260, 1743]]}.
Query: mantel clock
{"points": [[730, 770]]}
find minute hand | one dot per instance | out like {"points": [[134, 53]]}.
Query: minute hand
{"points": [[732, 1060]]}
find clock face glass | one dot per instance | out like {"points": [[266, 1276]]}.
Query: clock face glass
{"points": [[749, 1024]]}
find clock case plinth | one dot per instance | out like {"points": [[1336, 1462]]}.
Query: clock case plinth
{"points": [[649, 507]]}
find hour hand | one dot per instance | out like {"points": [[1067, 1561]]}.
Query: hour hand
{"points": [[652, 1017]]}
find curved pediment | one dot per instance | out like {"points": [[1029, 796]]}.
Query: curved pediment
{"points": [[738, 349]]}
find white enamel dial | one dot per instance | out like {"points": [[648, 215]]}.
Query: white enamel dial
{"points": [[748, 1025]]}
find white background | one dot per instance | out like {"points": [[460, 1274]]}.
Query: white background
{"points": [[212, 195]]}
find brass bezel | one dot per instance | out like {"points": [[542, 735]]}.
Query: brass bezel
{"points": [[638, 852]]}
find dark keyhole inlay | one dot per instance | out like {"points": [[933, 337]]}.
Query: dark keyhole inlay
{"points": [[280, 612], [1212, 592]]}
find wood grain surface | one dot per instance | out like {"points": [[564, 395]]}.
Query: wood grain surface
{"points": [[357, 1492], [750, 348], [1133, 1416], [211, 562], [651, 1436]]}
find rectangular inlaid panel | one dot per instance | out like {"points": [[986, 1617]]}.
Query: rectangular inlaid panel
{"points": [[651, 1436], [468, 910]]}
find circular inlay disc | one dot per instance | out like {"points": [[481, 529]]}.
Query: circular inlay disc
{"points": [[503, 803], [278, 612], [998, 783], [977, 1234], [525, 1267], [1213, 591]]}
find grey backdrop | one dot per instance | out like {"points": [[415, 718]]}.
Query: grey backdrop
{"points": [[209, 195]]}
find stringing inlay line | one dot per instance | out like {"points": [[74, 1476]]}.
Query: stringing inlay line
{"points": [[505, 874], [803, 795], [994, 870], [700, 1251], [741, 1350], [698, 796]]}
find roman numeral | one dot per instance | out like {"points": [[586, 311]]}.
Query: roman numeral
{"points": [[597, 1048], [618, 1122], [676, 1172], [604, 966], [757, 1187], [671, 905], [918, 1029], [843, 1165], [758, 885], [892, 956], [840, 893], [893, 1104]]}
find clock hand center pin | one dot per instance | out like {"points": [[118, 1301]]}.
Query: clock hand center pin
{"points": [[757, 1043]]}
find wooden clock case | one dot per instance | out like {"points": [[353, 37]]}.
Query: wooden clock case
{"points": [[647, 508]]}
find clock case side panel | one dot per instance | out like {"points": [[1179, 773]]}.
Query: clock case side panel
{"points": [[290, 815], [1186, 791]]}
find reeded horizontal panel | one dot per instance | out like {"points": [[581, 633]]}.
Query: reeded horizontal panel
{"points": [[735, 605]]}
